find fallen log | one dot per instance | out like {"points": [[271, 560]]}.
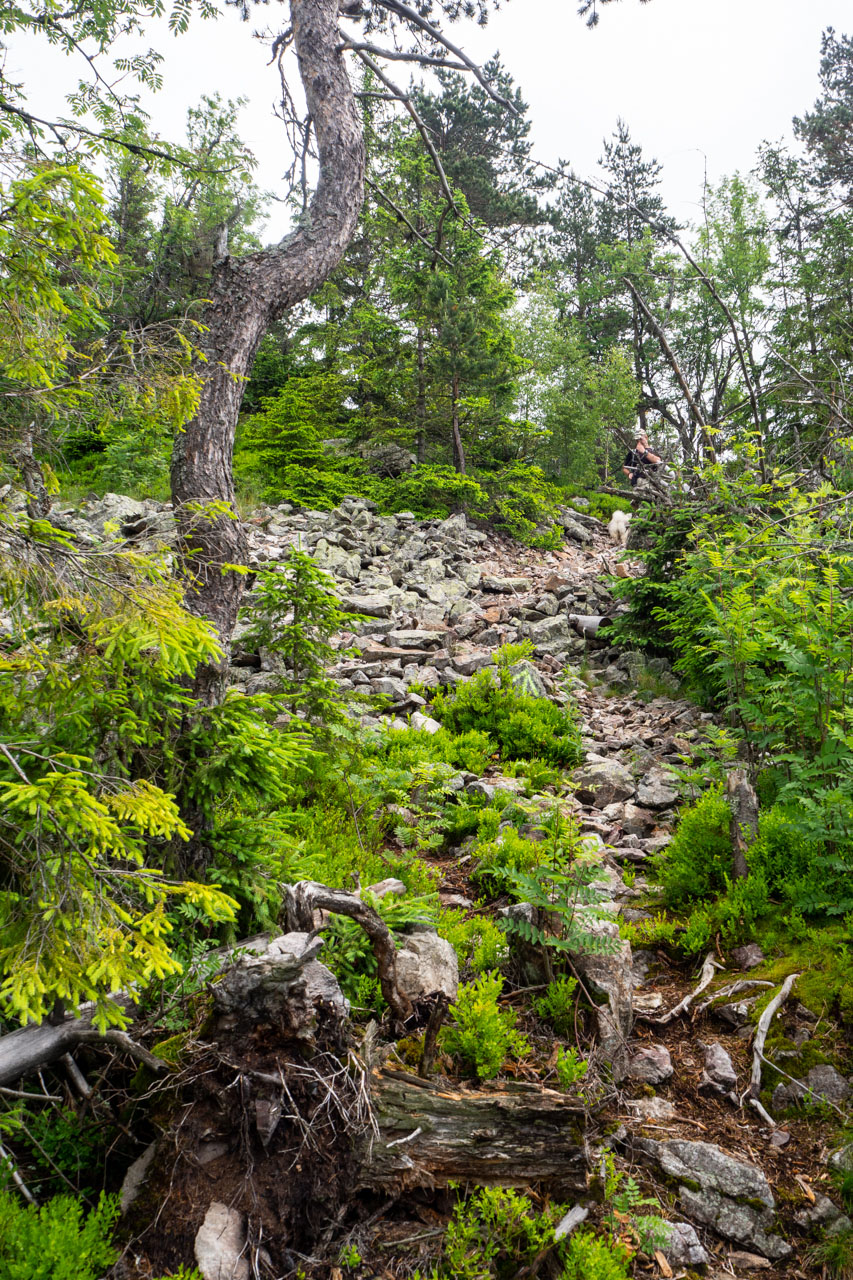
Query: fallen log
{"points": [[26, 1050], [506, 1134]]}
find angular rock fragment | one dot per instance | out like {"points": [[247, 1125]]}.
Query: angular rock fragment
{"points": [[749, 956], [822, 1084], [427, 964], [220, 1244], [684, 1248], [651, 1065], [729, 1195], [719, 1075], [604, 782]]}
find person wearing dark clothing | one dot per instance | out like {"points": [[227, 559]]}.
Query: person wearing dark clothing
{"points": [[640, 459]]}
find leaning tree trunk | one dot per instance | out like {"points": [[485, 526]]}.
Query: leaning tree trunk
{"points": [[246, 296]]}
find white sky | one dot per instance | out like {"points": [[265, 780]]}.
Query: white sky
{"points": [[700, 82]]}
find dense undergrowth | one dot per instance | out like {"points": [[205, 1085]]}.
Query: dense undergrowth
{"points": [[282, 787]]}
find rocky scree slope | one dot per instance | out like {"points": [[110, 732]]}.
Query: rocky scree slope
{"points": [[439, 598]]}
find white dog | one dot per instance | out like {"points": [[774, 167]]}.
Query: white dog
{"points": [[618, 527]]}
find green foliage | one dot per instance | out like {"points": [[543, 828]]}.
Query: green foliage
{"points": [[588, 1257], [90, 700], [561, 889], [499, 860], [293, 613], [603, 505], [480, 944], [492, 1234], [622, 1199], [348, 952], [57, 1241], [699, 857], [557, 1005], [521, 725], [571, 1067], [483, 1035], [834, 1254], [524, 504]]}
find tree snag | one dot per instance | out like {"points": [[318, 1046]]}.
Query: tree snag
{"points": [[744, 820]]}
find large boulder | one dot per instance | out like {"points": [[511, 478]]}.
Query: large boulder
{"points": [[604, 782], [548, 630], [729, 1195], [427, 964], [389, 460]]}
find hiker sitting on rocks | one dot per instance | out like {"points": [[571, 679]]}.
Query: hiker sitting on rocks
{"points": [[640, 459]]}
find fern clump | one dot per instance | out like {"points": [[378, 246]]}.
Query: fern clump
{"points": [[483, 1035]]}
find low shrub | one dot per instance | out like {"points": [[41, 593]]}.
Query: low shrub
{"points": [[57, 1240], [699, 857], [483, 1035], [591, 1257], [493, 1235], [557, 1005], [500, 859], [522, 726], [479, 943]]}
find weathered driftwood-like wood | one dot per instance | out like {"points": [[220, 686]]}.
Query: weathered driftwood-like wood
{"points": [[306, 897], [23, 1051], [744, 820], [705, 979], [761, 1032], [29, 1048], [508, 1134]]}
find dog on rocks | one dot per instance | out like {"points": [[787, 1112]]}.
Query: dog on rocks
{"points": [[618, 527]]}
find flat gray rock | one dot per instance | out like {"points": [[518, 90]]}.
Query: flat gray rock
{"points": [[506, 586], [657, 790]]}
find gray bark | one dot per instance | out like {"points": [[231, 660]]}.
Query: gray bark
{"points": [[744, 820], [246, 296], [306, 897], [508, 1134]]}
